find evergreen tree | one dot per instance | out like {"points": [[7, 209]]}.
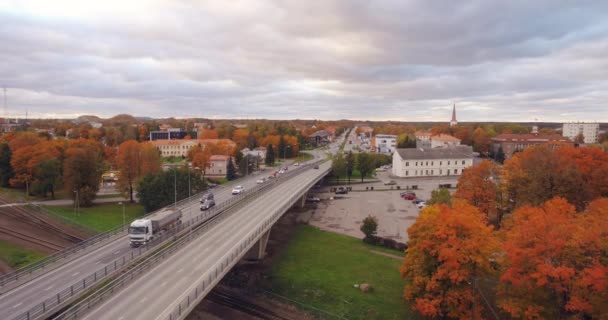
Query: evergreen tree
{"points": [[6, 171], [281, 148], [230, 170], [350, 164], [238, 157], [269, 155], [246, 165], [500, 155]]}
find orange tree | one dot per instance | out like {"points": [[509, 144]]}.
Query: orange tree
{"points": [[478, 185], [449, 248], [135, 160], [555, 262]]}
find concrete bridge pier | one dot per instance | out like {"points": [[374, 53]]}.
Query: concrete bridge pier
{"points": [[302, 201], [258, 251]]}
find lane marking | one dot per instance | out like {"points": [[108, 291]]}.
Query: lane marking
{"points": [[18, 304], [142, 300], [117, 252], [121, 318], [163, 284], [49, 288], [75, 273]]}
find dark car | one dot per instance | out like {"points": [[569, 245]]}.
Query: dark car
{"points": [[206, 196], [390, 183], [417, 201], [207, 204], [316, 167], [341, 190]]}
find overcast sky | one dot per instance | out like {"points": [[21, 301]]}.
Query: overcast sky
{"points": [[376, 60]]}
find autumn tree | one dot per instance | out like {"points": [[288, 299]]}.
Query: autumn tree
{"points": [[449, 248], [338, 166], [82, 170], [134, 160], [208, 134], [440, 196], [580, 138], [406, 140], [481, 141], [592, 163], [555, 264], [240, 137], [478, 185], [369, 227], [365, 164], [540, 173]]}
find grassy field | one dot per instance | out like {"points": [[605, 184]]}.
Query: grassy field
{"points": [[303, 157], [16, 256], [18, 195], [319, 269], [100, 217]]}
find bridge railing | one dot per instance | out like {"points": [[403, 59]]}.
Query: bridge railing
{"points": [[214, 275], [91, 281]]}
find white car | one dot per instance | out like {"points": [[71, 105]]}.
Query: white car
{"points": [[421, 204], [237, 190], [281, 171], [296, 164], [260, 181]]}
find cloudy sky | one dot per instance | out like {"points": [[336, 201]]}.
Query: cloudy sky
{"points": [[354, 59]]}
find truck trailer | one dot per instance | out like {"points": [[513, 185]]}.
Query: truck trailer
{"points": [[143, 230]]}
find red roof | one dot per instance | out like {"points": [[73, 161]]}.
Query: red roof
{"points": [[530, 137]]}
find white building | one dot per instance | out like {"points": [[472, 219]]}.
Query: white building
{"points": [[218, 166], [386, 143], [590, 131], [259, 152], [434, 162], [174, 148], [444, 141]]}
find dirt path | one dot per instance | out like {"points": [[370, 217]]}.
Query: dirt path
{"points": [[394, 256]]}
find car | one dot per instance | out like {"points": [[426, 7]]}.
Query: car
{"points": [[237, 190], [207, 205], [390, 183], [211, 185], [271, 177], [316, 167], [206, 196], [421, 204], [296, 164], [281, 171], [341, 190], [417, 201], [260, 181], [312, 199], [409, 196], [285, 168], [407, 192]]}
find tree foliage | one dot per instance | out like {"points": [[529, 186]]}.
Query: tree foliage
{"points": [[269, 160], [230, 170], [447, 250], [134, 160], [369, 226], [82, 170], [406, 140], [478, 185], [338, 166], [440, 196], [157, 190], [365, 164], [556, 265], [6, 171]]}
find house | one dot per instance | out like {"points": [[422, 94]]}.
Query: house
{"points": [[385, 143], [171, 134], [423, 139], [218, 166], [444, 140], [515, 142], [319, 138], [175, 148], [432, 162], [590, 131]]}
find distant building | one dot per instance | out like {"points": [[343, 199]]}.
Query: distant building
{"points": [[171, 134], [590, 131], [218, 166], [423, 139], [174, 148], [515, 142], [95, 124], [386, 143], [319, 138], [433, 162], [444, 140], [259, 152], [453, 122]]}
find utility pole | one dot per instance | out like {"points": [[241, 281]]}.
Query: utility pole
{"points": [[174, 187]]}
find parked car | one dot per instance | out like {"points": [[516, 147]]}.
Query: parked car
{"points": [[281, 171], [260, 181], [409, 196], [390, 183], [207, 204], [316, 167], [207, 196], [341, 190], [237, 190], [417, 201], [312, 199], [421, 204], [407, 192]]}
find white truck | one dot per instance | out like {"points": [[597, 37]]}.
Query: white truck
{"points": [[143, 230]]}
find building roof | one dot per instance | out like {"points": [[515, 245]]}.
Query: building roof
{"points": [[422, 133], [456, 152], [218, 157], [217, 141], [382, 135], [445, 137], [529, 137], [366, 129], [166, 142], [320, 133]]}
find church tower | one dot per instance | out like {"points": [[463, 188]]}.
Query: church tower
{"points": [[453, 122]]}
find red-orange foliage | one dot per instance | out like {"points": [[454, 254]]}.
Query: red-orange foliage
{"points": [[481, 141], [135, 160], [478, 186], [593, 165], [240, 137], [447, 250], [208, 134], [556, 264]]}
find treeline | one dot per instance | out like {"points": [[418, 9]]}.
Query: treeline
{"points": [[532, 235], [344, 165]]}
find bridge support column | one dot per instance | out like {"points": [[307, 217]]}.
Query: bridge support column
{"points": [[258, 251], [302, 201]]}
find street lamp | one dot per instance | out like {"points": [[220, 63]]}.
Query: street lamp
{"points": [[124, 220]]}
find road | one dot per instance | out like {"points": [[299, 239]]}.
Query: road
{"points": [[18, 300], [156, 294]]}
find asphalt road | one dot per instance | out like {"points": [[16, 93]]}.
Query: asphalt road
{"points": [[20, 299], [156, 294]]}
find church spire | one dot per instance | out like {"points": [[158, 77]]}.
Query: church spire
{"points": [[453, 122]]}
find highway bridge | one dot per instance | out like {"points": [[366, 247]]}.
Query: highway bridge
{"points": [[243, 229]]}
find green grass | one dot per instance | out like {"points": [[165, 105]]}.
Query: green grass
{"points": [[100, 217], [16, 256], [18, 195], [303, 157], [319, 269]]}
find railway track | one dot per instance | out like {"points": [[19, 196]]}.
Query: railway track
{"points": [[244, 306], [32, 239], [25, 216]]}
